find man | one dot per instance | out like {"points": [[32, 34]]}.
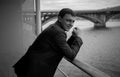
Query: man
{"points": [[44, 55]]}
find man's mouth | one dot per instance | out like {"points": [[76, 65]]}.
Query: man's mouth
{"points": [[69, 27]]}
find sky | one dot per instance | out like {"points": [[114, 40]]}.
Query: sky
{"points": [[78, 4]]}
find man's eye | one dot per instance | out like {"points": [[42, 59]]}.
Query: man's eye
{"points": [[70, 20]]}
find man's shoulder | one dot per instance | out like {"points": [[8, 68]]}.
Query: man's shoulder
{"points": [[54, 29], [57, 28]]}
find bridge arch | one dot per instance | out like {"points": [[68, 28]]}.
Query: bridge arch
{"points": [[89, 18], [113, 16], [83, 23], [48, 20]]}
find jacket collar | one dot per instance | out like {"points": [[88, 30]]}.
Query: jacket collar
{"points": [[59, 25]]}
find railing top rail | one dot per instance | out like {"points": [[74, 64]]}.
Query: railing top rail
{"points": [[88, 69]]}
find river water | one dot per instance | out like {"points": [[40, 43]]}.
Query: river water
{"points": [[101, 49]]}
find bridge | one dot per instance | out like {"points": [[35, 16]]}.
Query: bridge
{"points": [[98, 17]]}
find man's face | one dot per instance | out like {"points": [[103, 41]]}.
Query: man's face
{"points": [[67, 22]]}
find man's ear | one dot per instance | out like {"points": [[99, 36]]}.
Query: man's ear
{"points": [[59, 18]]}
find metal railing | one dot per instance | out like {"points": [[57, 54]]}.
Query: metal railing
{"points": [[87, 68]]}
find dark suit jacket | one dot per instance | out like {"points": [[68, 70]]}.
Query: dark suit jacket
{"points": [[44, 55]]}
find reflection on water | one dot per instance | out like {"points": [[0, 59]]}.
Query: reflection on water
{"points": [[113, 23]]}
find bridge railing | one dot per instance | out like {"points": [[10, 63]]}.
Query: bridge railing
{"points": [[87, 68]]}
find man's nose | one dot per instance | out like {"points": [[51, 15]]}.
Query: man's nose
{"points": [[71, 23]]}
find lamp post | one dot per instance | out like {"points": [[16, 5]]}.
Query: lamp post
{"points": [[38, 17]]}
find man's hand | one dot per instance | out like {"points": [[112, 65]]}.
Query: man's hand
{"points": [[76, 31]]}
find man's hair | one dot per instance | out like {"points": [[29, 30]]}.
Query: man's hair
{"points": [[66, 11]]}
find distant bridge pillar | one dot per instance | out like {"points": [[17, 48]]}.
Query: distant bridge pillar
{"points": [[99, 25], [102, 21]]}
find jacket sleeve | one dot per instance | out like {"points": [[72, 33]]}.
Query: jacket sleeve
{"points": [[69, 48], [75, 42]]}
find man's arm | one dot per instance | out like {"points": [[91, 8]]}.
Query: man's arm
{"points": [[70, 48], [74, 40]]}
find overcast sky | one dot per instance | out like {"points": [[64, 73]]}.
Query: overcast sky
{"points": [[78, 4]]}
